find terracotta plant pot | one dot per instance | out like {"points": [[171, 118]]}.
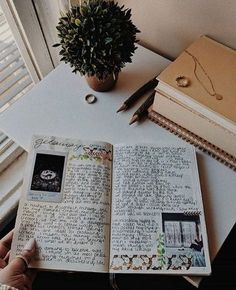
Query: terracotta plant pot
{"points": [[102, 85]]}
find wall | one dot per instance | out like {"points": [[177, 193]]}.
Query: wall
{"points": [[169, 26]]}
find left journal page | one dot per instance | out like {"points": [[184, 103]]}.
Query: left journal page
{"points": [[65, 204]]}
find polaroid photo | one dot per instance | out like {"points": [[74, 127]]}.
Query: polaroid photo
{"points": [[47, 179], [183, 240]]}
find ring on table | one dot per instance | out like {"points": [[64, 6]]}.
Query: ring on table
{"points": [[24, 260], [90, 99], [182, 81]]}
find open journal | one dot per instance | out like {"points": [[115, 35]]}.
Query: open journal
{"points": [[127, 208]]}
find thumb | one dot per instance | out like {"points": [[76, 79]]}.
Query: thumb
{"points": [[20, 263]]}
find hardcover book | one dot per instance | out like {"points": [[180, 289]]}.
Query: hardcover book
{"points": [[126, 208], [206, 103]]}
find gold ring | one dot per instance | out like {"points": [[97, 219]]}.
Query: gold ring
{"points": [[182, 81], [24, 260], [90, 99]]}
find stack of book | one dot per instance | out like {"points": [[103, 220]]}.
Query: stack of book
{"points": [[195, 98]]}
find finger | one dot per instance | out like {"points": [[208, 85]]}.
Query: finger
{"points": [[6, 259], [27, 281], [29, 250], [21, 262], [5, 244], [20, 282], [31, 274], [2, 264], [29, 277]]}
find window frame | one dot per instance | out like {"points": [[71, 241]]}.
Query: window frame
{"points": [[23, 21], [25, 28]]}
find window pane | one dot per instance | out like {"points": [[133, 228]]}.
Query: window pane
{"points": [[189, 233], [172, 234], [14, 77]]}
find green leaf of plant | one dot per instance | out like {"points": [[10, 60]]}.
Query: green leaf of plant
{"points": [[159, 252], [108, 40], [77, 22], [97, 37]]}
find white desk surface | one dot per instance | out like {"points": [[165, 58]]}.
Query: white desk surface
{"points": [[56, 106]]}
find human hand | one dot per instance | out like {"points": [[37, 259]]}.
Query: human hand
{"points": [[16, 273]]}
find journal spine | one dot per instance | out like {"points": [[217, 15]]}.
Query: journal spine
{"points": [[205, 146]]}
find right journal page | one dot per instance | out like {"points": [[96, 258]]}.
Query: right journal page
{"points": [[157, 217]]}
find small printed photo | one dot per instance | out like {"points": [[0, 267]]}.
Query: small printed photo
{"points": [[48, 173], [183, 240]]}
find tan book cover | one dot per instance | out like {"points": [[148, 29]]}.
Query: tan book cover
{"points": [[210, 69]]}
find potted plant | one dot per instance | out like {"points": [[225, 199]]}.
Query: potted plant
{"points": [[97, 38]]}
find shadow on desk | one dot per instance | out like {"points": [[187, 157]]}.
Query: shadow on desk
{"points": [[223, 275]]}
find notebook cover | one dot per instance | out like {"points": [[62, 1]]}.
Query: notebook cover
{"points": [[210, 67]]}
